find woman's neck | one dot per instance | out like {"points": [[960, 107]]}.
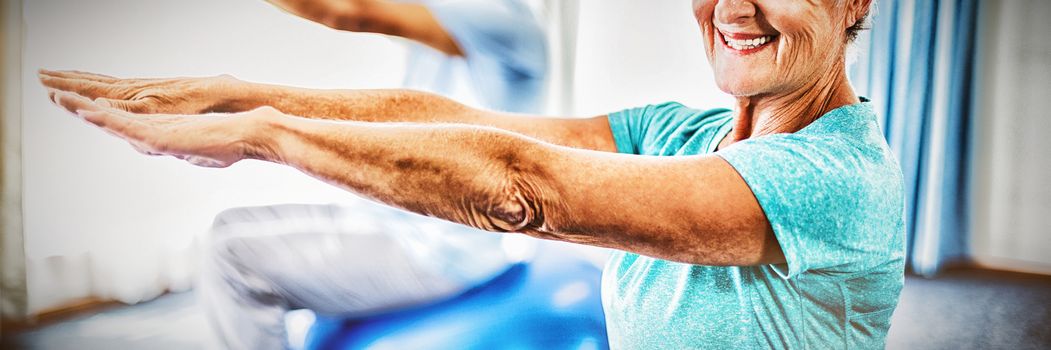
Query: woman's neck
{"points": [[761, 115]]}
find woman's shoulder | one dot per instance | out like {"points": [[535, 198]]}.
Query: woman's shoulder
{"points": [[665, 128], [673, 112], [853, 154], [844, 152]]}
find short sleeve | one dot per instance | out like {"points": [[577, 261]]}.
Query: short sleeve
{"points": [[822, 199], [505, 47], [659, 129]]}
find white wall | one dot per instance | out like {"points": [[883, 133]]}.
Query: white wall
{"points": [[101, 219], [1012, 226], [632, 53]]}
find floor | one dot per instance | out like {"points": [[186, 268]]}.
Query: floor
{"points": [[171, 322], [973, 309], [962, 309]]}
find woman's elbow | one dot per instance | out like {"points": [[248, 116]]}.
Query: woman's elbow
{"points": [[522, 199]]}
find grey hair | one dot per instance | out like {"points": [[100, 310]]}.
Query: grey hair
{"points": [[854, 30], [857, 27], [861, 24]]}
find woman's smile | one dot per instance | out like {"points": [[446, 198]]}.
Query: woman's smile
{"points": [[744, 44]]}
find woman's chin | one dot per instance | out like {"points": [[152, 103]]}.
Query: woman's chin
{"points": [[740, 90]]}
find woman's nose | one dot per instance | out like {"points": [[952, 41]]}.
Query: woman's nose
{"points": [[734, 11]]}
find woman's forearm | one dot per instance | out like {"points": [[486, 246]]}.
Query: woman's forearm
{"points": [[401, 105], [460, 173], [389, 105], [503, 182]]}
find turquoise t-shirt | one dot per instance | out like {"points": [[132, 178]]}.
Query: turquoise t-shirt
{"points": [[833, 193]]}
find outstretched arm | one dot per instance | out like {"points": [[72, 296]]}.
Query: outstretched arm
{"points": [[419, 107], [689, 209], [226, 94], [403, 19]]}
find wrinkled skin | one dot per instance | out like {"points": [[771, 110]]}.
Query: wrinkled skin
{"points": [[794, 79]]}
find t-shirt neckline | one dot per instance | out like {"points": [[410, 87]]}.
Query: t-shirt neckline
{"points": [[713, 146]]}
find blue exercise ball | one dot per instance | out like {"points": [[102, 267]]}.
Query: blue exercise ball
{"points": [[551, 302]]}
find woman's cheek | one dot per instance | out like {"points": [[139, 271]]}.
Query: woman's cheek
{"points": [[703, 11], [698, 4], [800, 45]]}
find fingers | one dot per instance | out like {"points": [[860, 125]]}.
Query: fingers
{"points": [[134, 132], [118, 124], [89, 88], [140, 132], [143, 149], [73, 102], [72, 74], [113, 121], [51, 95], [134, 106]]}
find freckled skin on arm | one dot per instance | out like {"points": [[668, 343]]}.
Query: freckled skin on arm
{"points": [[226, 94], [690, 209], [549, 178], [694, 209], [400, 105]]}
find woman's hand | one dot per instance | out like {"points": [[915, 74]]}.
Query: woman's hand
{"points": [[210, 140], [171, 96]]}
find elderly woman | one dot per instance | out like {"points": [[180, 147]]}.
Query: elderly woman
{"points": [[777, 224]]}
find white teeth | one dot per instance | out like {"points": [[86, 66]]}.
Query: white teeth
{"points": [[748, 43]]}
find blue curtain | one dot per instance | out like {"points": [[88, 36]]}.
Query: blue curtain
{"points": [[917, 65]]}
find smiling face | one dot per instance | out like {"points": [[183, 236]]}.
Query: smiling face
{"points": [[773, 47]]}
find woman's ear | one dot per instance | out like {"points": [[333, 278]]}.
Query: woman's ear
{"points": [[856, 11]]}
